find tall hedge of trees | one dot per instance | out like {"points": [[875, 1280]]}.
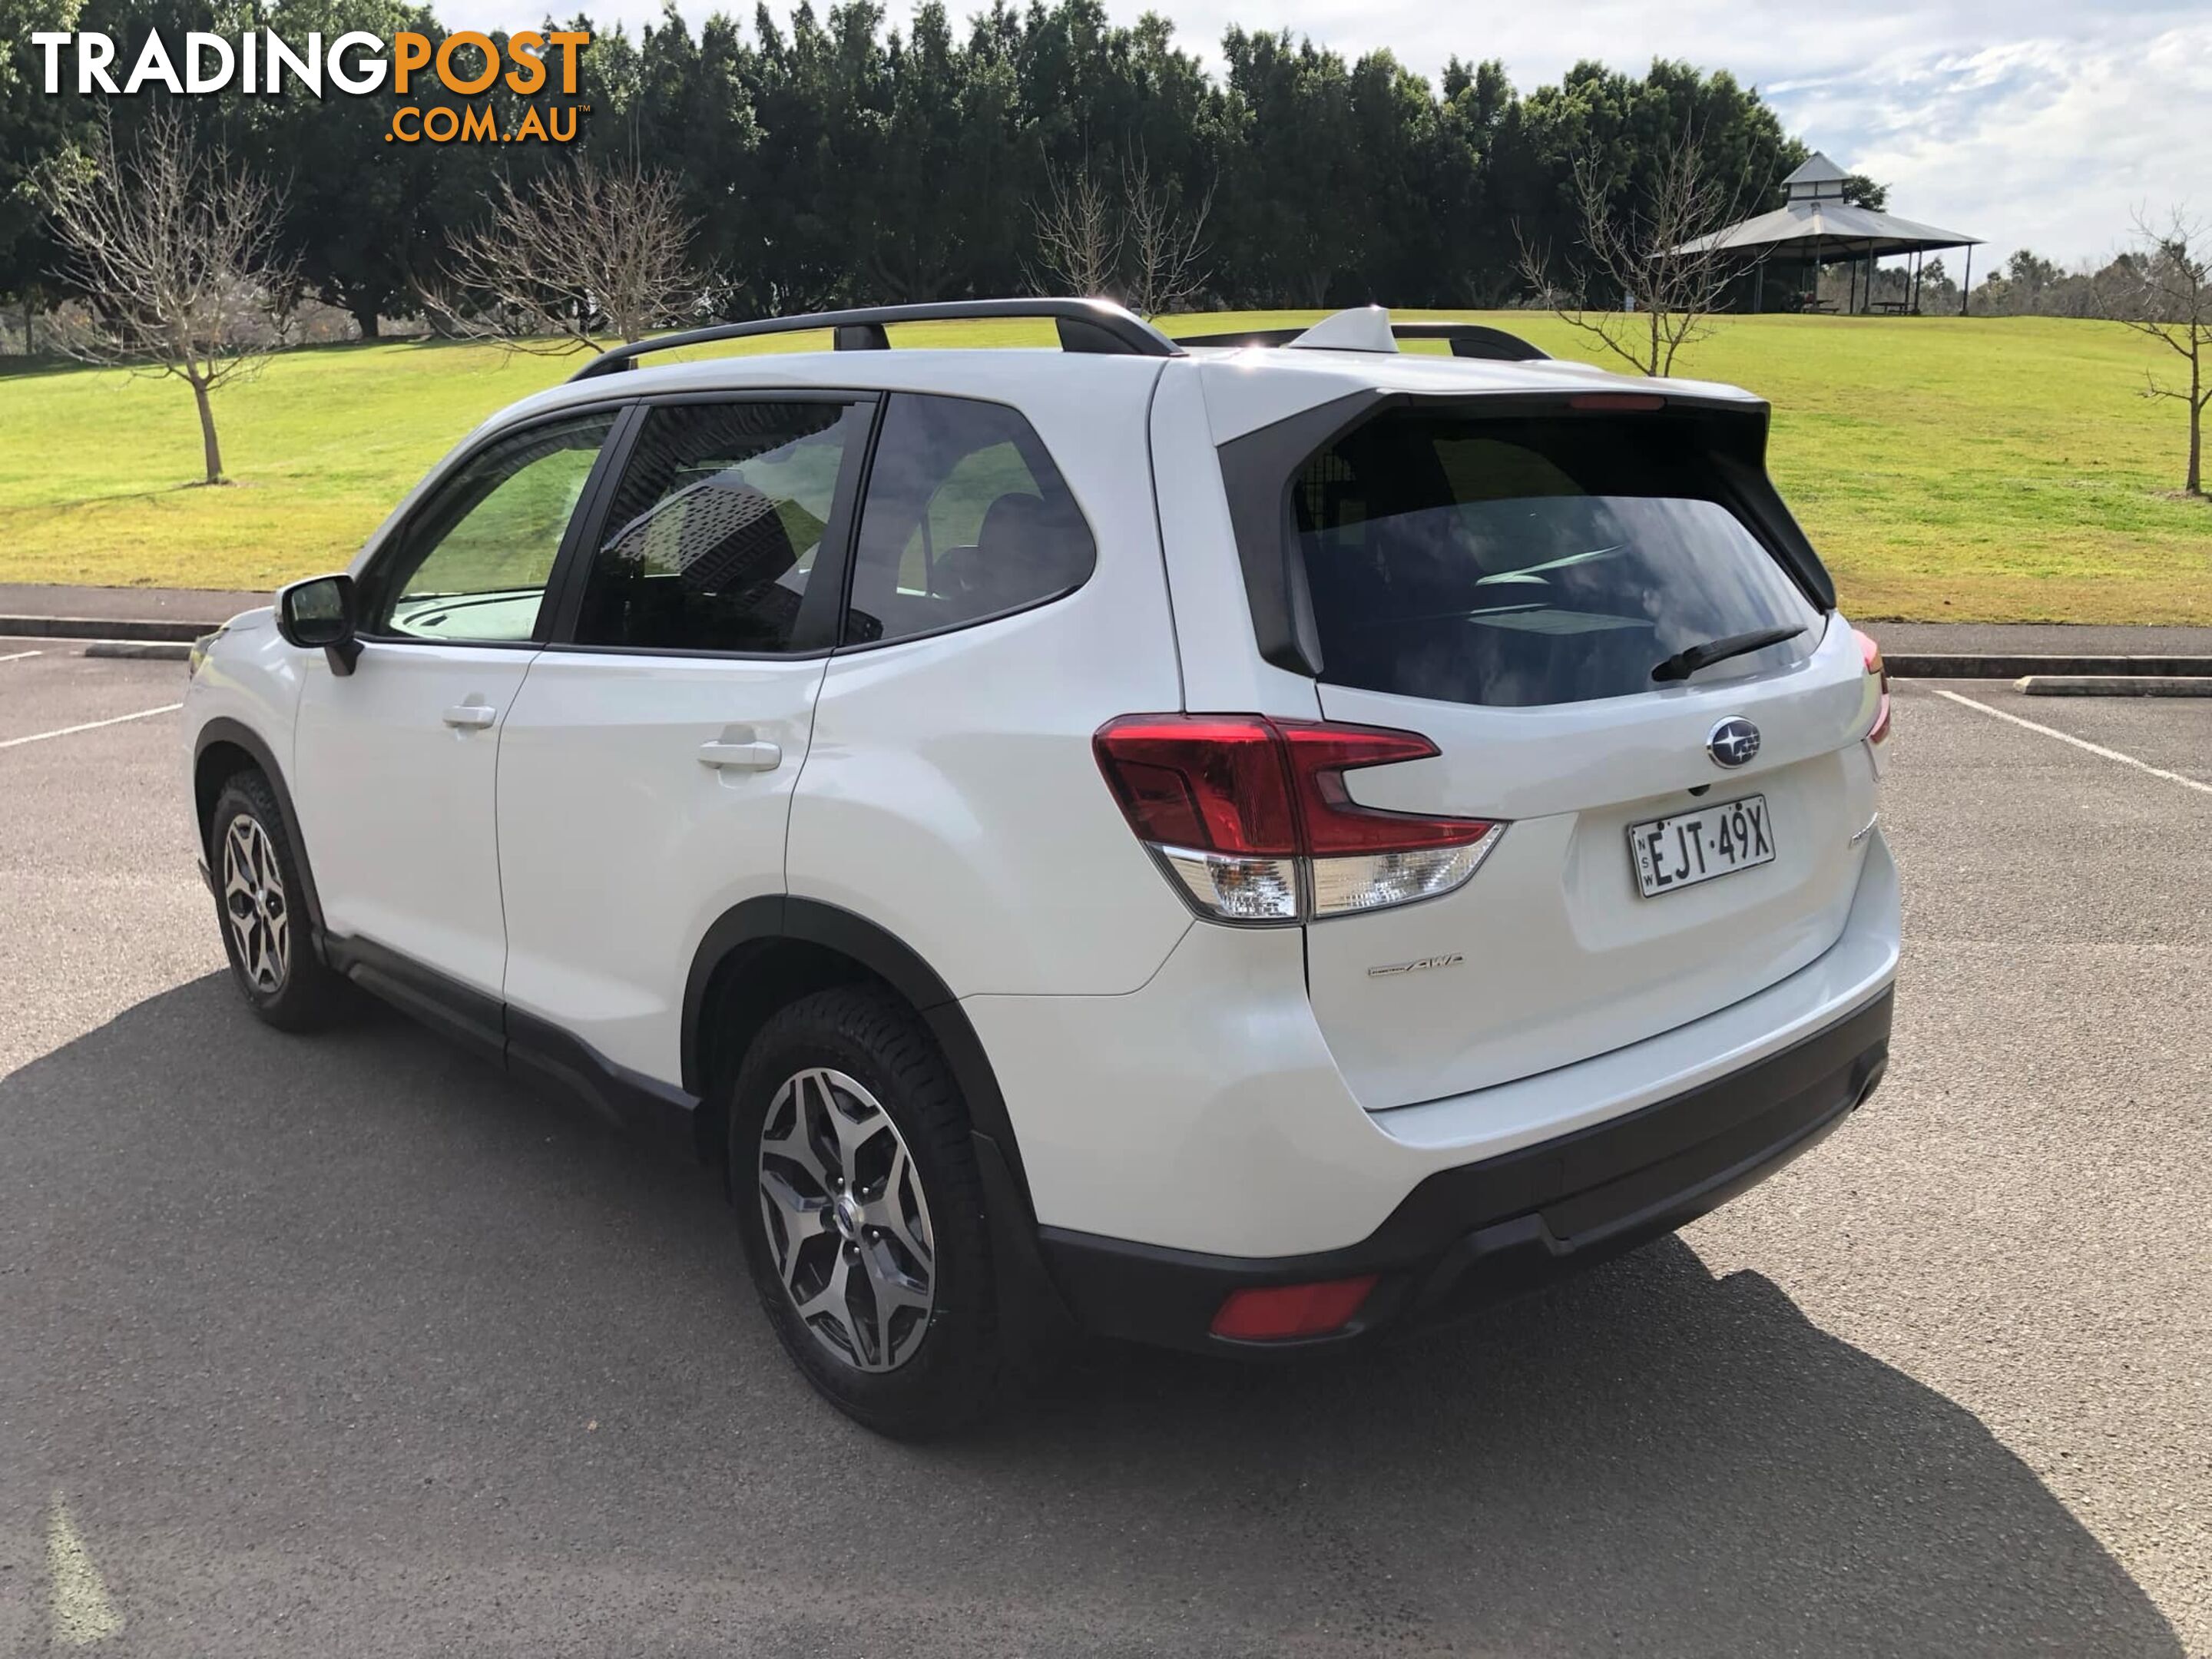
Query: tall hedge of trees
{"points": [[836, 160]]}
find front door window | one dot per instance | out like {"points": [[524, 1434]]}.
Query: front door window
{"points": [[472, 565]]}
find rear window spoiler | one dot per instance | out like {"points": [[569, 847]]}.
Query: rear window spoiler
{"points": [[1258, 470]]}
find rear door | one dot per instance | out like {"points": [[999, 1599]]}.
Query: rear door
{"points": [[645, 770], [1510, 589]]}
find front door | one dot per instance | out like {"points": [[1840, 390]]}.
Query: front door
{"points": [[646, 770], [395, 763]]}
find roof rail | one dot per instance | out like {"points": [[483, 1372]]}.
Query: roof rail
{"points": [[1088, 325], [1467, 340]]}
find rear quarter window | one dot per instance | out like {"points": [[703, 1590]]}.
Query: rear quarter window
{"points": [[966, 519], [1528, 561]]}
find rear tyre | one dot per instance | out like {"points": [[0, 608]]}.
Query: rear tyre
{"points": [[862, 1214], [265, 931]]}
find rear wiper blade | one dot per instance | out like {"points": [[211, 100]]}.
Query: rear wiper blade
{"points": [[1683, 664]]}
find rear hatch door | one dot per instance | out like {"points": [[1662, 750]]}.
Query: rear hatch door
{"points": [[1510, 587]]}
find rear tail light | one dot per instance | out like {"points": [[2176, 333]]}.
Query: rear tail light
{"points": [[1871, 654], [1275, 1313], [1252, 818]]}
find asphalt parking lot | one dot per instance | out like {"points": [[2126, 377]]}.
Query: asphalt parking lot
{"points": [[350, 1346]]}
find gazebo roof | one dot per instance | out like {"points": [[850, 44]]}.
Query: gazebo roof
{"points": [[1830, 227], [1816, 171], [1817, 221]]}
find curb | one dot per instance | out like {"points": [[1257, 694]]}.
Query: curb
{"points": [[142, 650], [103, 628], [1954, 666], [2115, 685]]}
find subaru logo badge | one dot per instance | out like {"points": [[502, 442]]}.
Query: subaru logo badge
{"points": [[1732, 742]]}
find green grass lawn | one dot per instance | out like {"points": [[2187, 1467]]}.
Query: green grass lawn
{"points": [[1948, 469]]}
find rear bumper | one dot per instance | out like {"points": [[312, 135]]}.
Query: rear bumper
{"points": [[1476, 1234]]}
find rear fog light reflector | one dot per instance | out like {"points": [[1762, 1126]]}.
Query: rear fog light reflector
{"points": [[1277, 1313]]}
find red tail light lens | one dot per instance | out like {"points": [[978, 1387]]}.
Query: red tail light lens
{"points": [[1215, 784], [1253, 817], [1871, 653], [1320, 756], [1275, 1313]]}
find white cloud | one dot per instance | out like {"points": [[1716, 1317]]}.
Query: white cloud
{"points": [[2043, 143], [2035, 123]]}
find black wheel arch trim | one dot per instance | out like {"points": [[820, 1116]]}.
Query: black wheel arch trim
{"points": [[224, 730], [1030, 1298], [813, 922]]}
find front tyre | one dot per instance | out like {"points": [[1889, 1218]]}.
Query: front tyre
{"points": [[265, 931], [862, 1212]]}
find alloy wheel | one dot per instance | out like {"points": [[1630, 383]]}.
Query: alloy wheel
{"points": [[847, 1222], [254, 901]]}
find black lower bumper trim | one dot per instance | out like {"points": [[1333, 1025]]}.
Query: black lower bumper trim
{"points": [[1476, 1235]]}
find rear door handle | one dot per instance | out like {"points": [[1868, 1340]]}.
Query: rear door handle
{"points": [[471, 716], [749, 755]]}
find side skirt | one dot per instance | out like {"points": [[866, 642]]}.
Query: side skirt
{"points": [[1032, 1309], [523, 1044], [631, 1098]]}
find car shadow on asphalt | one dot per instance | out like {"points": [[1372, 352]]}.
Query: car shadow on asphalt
{"points": [[247, 1274]]}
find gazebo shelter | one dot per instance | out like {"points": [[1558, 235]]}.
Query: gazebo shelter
{"points": [[1817, 227]]}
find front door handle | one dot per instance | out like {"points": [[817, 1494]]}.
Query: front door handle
{"points": [[748, 755], [471, 716]]}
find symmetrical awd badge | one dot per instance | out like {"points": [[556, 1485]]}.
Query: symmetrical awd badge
{"points": [[1385, 969]]}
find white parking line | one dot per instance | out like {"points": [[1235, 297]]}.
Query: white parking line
{"points": [[80, 1611], [17, 656], [2201, 787], [91, 726]]}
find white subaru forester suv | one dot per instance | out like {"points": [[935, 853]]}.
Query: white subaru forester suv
{"points": [[1241, 846]]}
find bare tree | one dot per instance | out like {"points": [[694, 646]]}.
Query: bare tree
{"points": [[1656, 261], [590, 250], [1167, 245], [2163, 288], [175, 252], [1078, 233]]}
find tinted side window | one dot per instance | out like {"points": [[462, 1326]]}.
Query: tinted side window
{"points": [[714, 529], [966, 519], [471, 563]]}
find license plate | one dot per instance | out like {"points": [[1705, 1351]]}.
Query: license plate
{"points": [[1694, 847]]}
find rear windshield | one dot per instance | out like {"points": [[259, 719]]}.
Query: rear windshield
{"points": [[1521, 563]]}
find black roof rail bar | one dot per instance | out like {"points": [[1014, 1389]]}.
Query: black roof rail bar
{"points": [[1087, 326], [1467, 340]]}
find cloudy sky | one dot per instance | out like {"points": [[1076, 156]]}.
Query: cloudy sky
{"points": [[2034, 123]]}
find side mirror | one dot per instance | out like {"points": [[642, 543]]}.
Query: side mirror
{"points": [[318, 613]]}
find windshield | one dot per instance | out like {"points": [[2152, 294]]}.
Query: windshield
{"points": [[1529, 562]]}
